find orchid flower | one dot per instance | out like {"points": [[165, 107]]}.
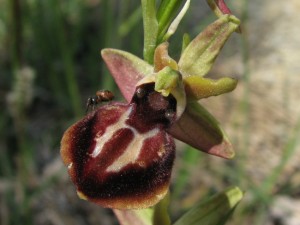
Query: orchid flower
{"points": [[121, 155]]}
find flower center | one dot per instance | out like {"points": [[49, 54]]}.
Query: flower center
{"points": [[152, 107]]}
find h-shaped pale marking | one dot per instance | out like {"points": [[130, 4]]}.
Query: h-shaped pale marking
{"points": [[134, 148]]}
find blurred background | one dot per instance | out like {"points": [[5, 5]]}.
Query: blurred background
{"points": [[50, 64]]}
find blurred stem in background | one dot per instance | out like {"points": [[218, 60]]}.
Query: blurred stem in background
{"points": [[67, 56], [16, 29], [245, 103], [18, 100]]}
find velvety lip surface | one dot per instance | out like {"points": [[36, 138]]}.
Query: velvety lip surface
{"points": [[120, 156]]}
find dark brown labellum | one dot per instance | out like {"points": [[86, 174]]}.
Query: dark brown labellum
{"points": [[170, 115], [120, 155]]}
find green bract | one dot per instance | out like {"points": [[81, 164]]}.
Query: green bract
{"points": [[215, 210]]}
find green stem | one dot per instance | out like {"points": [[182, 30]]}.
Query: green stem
{"points": [[150, 29], [161, 214]]}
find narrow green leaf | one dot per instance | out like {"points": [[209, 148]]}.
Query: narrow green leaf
{"points": [[176, 21], [214, 211], [165, 14]]}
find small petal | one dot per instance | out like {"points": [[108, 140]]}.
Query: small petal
{"points": [[200, 54], [162, 58], [199, 87], [198, 128], [127, 70], [118, 157]]}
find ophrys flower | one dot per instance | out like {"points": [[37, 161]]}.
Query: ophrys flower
{"points": [[121, 155]]}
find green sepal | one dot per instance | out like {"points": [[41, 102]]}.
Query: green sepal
{"points": [[200, 54], [215, 210]]}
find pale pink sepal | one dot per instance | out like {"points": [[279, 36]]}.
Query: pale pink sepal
{"points": [[198, 128], [126, 69]]}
